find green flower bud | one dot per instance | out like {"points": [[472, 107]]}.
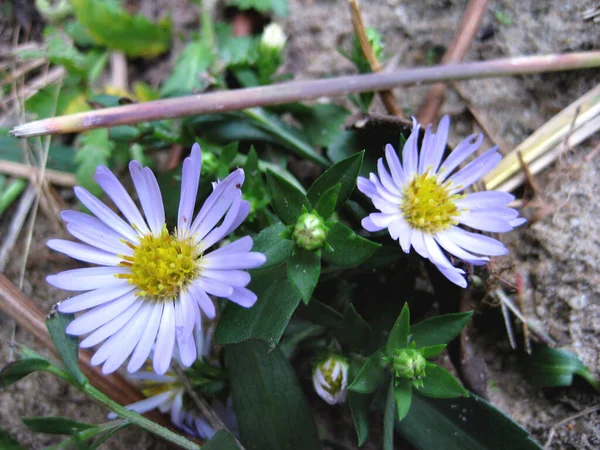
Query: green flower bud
{"points": [[330, 379], [270, 51], [310, 231], [409, 364]]}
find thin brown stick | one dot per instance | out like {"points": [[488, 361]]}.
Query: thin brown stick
{"points": [[387, 96], [29, 316], [21, 170], [454, 54], [294, 91]]}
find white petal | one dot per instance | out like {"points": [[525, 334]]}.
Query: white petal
{"points": [[214, 287], [190, 178], [100, 315], [221, 231], [485, 199], [485, 223], [187, 350], [84, 252], [118, 194], [176, 410], [405, 239], [365, 186], [368, 225], [418, 242], [242, 261], [397, 228], [410, 155], [242, 245], [475, 243], [394, 164], [454, 249], [384, 220], [141, 352], [165, 340], [243, 297], [88, 278], [235, 278], [100, 237], [473, 171], [436, 255], [453, 274], [150, 403], [386, 179], [111, 327], [203, 300], [94, 298], [465, 149]]}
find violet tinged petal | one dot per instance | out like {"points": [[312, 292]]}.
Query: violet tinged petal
{"points": [[465, 149], [485, 223], [243, 297], [395, 166], [100, 315], [203, 300], [119, 196], [410, 155], [234, 278], [485, 199], [111, 327], [365, 186], [473, 171], [94, 298], [475, 243], [242, 245], [190, 178], [221, 231], [243, 261], [451, 247], [105, 214], [453, 274], [368, 225], [386, 179]]}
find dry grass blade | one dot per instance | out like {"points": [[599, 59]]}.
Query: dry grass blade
{"points": [[21, 170], [572, 125]]}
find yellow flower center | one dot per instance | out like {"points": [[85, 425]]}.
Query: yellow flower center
{"points": [[428, 206], [161, 265]]}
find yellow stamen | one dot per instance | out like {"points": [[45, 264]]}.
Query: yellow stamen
{"points": [[161, 266], [428, 206]]}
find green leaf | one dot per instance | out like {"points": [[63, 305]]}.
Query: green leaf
{"points": [[279, 7], [111, 25], [62, 52], [432, 351], [286, 198], [7, 442], [344, 172], [346, 248], [187, 76], [291, 340], [553, 367], [222, 440], [303, 270], [326, 204], [388, 418], [66, 345], [370, 376], [439, 329], [276, 248], [55, 425], [398, 337], [403, 395], [270, 407], [16, 370], [353, 333], [268, 318], [321, 122], [464, 423], [95, 149], [359, 408], [439, 383], [320, 313]]}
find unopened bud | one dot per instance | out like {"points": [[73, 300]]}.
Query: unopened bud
{"points": [[310, 231], [330, 379], [273, 37], [409, 364]]}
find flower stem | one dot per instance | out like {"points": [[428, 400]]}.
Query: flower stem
{"points": [[239, 99], [138, 419]]}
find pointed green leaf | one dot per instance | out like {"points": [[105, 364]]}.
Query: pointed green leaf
{"points": [[432, 351], [66, 345], [270, 407], [187, 76], [55, 425], [370, 376], [353, 333], [276, 248], [14, 371], [346, 248], [287, 199], [222, 440], [403, 395], [321, 122], [553, 367], [398, 337], [439, 383], [303, 270], [359, 408], [326, 203], [388, 418], [111, 25], [320, 313], [345, 173], [439, 329], [268, 318], [464, 423]]}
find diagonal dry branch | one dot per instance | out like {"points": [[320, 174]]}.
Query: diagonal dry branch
{"points": [[303, 90]]}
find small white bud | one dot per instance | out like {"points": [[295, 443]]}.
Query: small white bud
{"points": [[273, 37], [330, 379]]}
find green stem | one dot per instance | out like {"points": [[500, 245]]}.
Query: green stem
{"points": [[299, 146], [88, 434], [138, 419], [589, 377], [389, 418], [10, 194]]}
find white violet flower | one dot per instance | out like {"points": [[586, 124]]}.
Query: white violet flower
{"points": [[150, 285], [330, 379], [421, 201]]}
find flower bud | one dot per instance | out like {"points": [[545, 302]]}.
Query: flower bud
{"points": [[273, 37], [330, 379], [409, 364], [270, 52], [310, 231]]}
